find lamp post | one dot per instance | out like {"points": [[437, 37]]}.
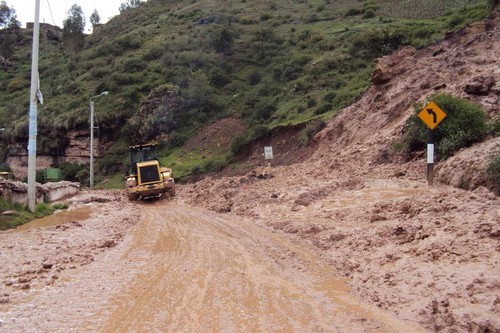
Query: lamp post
{"points": [[92, 137]]}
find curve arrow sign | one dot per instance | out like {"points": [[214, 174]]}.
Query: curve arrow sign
{"points": [[434, 115]]}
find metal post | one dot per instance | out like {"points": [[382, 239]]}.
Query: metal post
{"points": [[33, 112], [92, 137], [91, 143], [430, 157]]}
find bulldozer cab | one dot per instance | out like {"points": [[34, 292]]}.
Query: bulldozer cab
{"points": [[142, 153]]}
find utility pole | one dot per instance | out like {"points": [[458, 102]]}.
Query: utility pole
{"points": [[33, 112], [92, 137]]}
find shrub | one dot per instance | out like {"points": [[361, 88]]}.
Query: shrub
{"points": [[493, 173], [254, 78], [265, 17], [242, 140], [16, 84], [154, 53], [314, 126], [238, 143], [177, 139], [465, 124], [134, 65], [379, 42], [353, 12], [311, 102], [323, 108], [369, 14], [69, 171], [43, 209], [264, 108]]}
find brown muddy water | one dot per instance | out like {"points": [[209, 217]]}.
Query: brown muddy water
{"points": [[59, 217]]}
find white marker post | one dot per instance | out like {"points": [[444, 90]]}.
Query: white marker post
{"points": [[430, 157], [268, 155]]}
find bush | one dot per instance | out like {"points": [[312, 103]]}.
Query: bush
{"points": [[254, 78], [354, 12], [218, 77], [323, 108], [242, 140], [238, 143], [314, 126], [177, 139], [465, 124], [369, 14], [264, 108], [154, 53], [134, 65], [493, 173], [69, 171], [43, 209], [16, 85], [379, 42]]}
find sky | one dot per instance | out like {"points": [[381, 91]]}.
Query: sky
{"points": [[25, 10]]}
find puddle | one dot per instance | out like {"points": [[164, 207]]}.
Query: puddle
{"points": [[60, 217]]}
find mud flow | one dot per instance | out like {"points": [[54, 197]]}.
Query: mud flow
{"points": [[60, 217], [196, 271]]}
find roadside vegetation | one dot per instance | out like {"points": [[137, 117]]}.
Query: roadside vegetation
{"points": [[270, 63], [466, 123], [13, 215]]}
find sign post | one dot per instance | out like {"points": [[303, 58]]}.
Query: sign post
{"points": [[268, 155], [431, 115]]}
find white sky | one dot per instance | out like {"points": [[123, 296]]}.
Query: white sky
{"points": [[25, 10]]}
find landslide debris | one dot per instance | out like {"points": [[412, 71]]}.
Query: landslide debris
{"points": [[427, 254]]}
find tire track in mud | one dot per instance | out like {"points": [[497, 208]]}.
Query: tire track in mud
{"points": [[200, 271]]}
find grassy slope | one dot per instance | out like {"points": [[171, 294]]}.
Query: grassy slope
{"points": [[311, 63]]}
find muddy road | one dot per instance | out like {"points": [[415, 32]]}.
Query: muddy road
{"points": [[180, 269]]}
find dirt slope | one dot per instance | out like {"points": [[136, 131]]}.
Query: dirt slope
{"points": [[428, 254]]}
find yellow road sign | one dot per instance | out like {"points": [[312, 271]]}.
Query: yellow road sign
{"points": [[432, 115]]}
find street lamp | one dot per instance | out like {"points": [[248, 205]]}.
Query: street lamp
{"points": [[92, 137]]}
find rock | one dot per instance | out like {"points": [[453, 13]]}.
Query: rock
{"points": [[381, 74], [47, 265], [376, 217], [10, 212], [109, 243], [23, 280], [479, 85]]}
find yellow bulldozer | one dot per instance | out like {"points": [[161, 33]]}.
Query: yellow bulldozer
{"points": [[147, 179]]}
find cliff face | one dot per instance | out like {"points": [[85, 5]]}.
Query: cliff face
{"points": [[77, 152]]}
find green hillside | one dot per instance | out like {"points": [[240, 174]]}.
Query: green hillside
{"points": [[269, 63]]}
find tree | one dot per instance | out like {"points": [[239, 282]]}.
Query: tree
{"points": [[129, 4], [263, 35], [8, 17], [223, 40], [9, 32], [95, 19], [73, 27]]}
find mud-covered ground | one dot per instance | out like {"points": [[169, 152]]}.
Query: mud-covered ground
{"points": [[167, 267], [429, 254]]}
